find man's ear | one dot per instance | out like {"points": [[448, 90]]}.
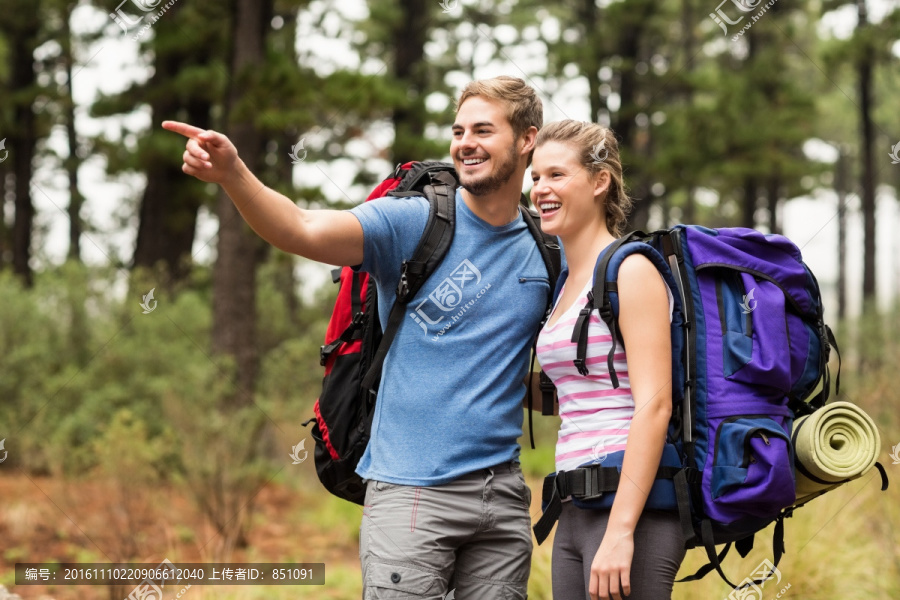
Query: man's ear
{"points": [[527, 140]]}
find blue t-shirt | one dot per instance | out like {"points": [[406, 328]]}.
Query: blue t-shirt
{"points": [[450, 400]]}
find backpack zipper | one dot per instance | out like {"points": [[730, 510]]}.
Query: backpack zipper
{"points": [[752, 432]]}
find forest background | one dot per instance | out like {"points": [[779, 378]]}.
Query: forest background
{"points": [[157, 359]]}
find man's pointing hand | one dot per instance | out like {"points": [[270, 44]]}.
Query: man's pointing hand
{"points": [[209, 156]]}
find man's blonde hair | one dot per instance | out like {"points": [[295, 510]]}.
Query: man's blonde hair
{"points": [[523, 107]]}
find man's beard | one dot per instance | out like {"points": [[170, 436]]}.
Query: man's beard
{"points": [[493, 181]]}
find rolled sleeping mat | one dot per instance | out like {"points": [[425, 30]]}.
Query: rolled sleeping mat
{"points": [[835, 444]]}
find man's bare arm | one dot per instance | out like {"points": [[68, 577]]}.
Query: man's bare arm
{"points": [[328, 236]]}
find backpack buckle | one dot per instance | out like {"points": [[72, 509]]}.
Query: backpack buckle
{"points": [[545, 383], [592, 482], [606, 312], [403, 282], [823, 340], [582, 368]]}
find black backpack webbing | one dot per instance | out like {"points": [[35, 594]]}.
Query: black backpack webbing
{"points": [[432, 248], [598, 298], [548, 245], [354, 330]]}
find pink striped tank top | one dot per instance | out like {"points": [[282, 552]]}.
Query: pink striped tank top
{"points": [[595, 416]]}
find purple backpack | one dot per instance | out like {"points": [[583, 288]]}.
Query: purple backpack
{"points": [[749, 346], [756, 347]]}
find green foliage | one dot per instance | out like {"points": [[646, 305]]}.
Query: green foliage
{"points": [[541, 460], [124, 450], [89, 382]]}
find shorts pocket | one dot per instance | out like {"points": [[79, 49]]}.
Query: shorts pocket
{"points": [[384, 487], [384, 581], [524, 490]]}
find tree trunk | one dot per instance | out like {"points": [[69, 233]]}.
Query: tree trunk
{"points": [[867, 140], [629, 48], [772, 192], [840, 186], [21, 144], [690, 207], [5, 242], [748, 214], [587, 13], [410, 35], [76, 200], [687, 92], [640, 214], [168, 213], [623, 121], [234, 274]]}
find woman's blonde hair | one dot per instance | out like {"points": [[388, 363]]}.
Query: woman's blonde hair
{"points": [[597, 151]]}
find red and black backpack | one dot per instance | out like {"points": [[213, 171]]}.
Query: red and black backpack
{"points": [[355, 345]]}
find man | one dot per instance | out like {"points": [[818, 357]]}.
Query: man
{"points": [[446, 503]]}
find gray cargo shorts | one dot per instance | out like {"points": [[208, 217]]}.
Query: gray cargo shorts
{"points": [[472, 535]]}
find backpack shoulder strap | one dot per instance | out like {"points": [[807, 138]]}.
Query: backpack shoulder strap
{"points": [[598, 298], [547, 244], [432, 247], [435, 240], [551, 253], [604, 295]]}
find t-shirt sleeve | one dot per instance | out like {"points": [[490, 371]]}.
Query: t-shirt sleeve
{"points": [[391, 231]]}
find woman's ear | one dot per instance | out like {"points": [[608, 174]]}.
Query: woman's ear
{"points": [[602, 181]]}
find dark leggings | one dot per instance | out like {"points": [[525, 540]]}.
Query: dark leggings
{"points": [[658, 552]]}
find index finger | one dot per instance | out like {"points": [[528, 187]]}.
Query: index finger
{"points": [[184, 129]]}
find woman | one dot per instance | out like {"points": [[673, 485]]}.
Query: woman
{"points": [[626, 550]]}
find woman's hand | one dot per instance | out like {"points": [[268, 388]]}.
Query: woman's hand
{"points": [[611, 567]]}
